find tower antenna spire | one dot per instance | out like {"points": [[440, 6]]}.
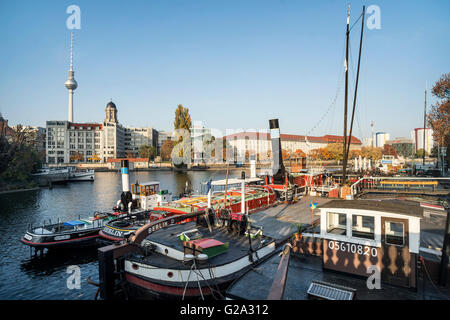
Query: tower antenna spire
{"points": [[71, 51], [71, 83]]}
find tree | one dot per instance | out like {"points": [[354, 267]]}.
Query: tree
{"points": [[182, 120], [19, 158], [370, 152], [336, 150], [419, 153], [182, 126], [166, 149], [389, 150], [354, 154], [77, 157], [284, 154], [146, 151], [95, 158], [300, 153], [439, 116], [320, 154]]}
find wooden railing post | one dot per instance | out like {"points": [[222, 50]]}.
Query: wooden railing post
{"points": [[279, 282]]}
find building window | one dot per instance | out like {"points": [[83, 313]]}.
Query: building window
{"points": [[395, 233], [363, 227], [337, 223]]}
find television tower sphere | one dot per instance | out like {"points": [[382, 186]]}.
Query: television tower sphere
{"points": [[70, 83]]}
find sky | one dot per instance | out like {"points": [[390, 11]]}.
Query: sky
{"points": [[234, 64]]}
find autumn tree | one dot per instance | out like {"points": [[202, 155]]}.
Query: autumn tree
{"points": [[300, 153], [77, 156], [371, 152], [182, 121], [335, 150], [182, 126], [320, 154], [355, 153], [389, 151], [439, 115], [166, 149]]}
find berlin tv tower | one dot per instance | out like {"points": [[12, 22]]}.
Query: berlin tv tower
{"points": [[70, 83]]}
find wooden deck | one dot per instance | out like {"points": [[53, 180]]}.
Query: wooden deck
{"points": [[280, 222]]}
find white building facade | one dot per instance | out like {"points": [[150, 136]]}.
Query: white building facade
{"points": [[245, 144], [70, 143], [418, 137], [381, 138]]}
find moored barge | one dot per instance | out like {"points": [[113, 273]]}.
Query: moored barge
{"points": [[173, 259]]}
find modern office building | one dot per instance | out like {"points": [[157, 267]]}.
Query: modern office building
{"points": [[137, 137], [162, 137], [418, 138], [381, 138], [199, 133]]}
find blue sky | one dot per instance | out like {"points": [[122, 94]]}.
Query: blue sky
{"points": [[234, 64]]}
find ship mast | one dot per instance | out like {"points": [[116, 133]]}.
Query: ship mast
{"points": [[356, 85], [344, 160], [424, 125]]}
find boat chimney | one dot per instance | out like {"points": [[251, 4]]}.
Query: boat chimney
{"points": [[252, 166], [125, 176], [277, 159], [243, 192]]}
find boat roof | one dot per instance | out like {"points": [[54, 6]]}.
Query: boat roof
{"points": [[149, 183], [233, 181], [391, 206], [237, 245]]}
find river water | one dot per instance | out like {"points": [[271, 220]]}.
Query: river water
{"points": [[23, 276]]}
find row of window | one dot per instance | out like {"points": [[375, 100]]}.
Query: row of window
{"points": [[364, 227]]}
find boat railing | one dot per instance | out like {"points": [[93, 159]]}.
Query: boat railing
{"points": [[153, 226], [377, 182]]}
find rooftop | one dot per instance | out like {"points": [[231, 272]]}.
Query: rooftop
{"points": [[392, 206], [292, 137]]}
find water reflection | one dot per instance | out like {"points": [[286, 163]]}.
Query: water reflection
{"points": [[25, 277]]}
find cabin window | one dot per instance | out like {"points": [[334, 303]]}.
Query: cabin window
{"points": [[394, 233], [337, 223], [363, 227]]}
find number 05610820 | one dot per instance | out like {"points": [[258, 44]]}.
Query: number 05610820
{"points": [[353, 248]]}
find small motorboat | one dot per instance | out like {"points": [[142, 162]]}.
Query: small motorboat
{"points": [[81, 175], [69, 234], [121, 228]]}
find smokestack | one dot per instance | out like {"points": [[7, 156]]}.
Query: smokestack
{"points": [[252, 166], [277, 159], [243, 192], [125, 176]]}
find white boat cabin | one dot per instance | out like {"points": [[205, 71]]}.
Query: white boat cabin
{"points": [[364, 236], [148, 195]]}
